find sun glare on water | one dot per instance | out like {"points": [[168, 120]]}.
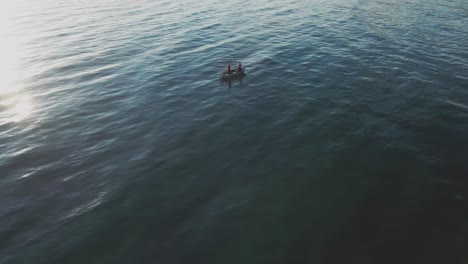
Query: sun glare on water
{"points": [[15, 105]]}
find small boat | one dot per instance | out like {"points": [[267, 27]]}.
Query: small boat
{"points": [[233, 75]]}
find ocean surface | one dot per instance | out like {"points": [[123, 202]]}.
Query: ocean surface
{"points": [[345, 142]]}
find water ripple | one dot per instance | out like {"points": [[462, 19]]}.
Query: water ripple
{"points": [[117, 112]]}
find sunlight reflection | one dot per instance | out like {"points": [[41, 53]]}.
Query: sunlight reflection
{"points": [[21, 109], [15, 105], [8, 74]]}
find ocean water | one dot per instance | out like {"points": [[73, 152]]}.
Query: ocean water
{"points": [[346, 141]]}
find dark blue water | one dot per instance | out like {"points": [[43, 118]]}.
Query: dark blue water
{"points": [[346, 141]]}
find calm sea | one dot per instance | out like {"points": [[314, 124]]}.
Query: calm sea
{"points": [[346, 141]]}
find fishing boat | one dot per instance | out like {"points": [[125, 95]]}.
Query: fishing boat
{"points": [[235, 74]]}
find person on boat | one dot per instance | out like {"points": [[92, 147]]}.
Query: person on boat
{"points": [[239, 67], [229, 69]]}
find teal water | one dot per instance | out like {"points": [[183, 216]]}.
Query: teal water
{"points": [[346, 141]]}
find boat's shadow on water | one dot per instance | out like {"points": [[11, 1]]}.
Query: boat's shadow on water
{"points": [[230, 82]]}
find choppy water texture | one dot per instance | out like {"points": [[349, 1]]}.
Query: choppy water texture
{"points": [[346, 142]]}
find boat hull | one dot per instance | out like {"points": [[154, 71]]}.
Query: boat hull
{"points": [[234, 75]]}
